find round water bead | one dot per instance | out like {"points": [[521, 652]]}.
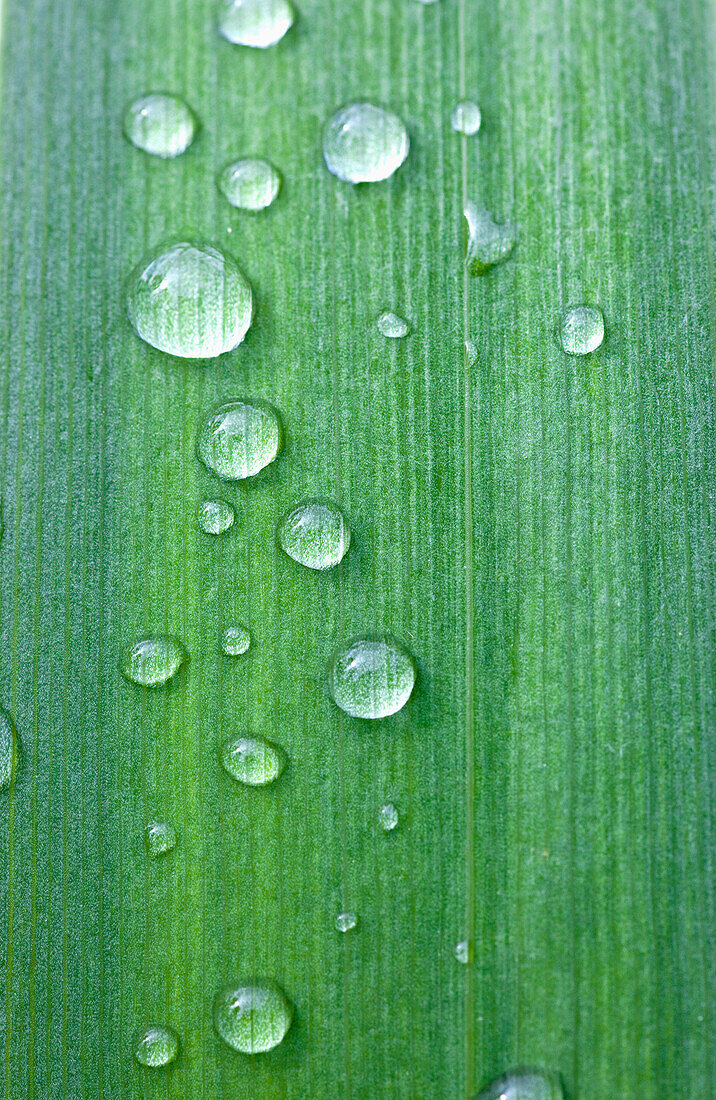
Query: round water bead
{"points": [[582, 330], [235, 640], [462, 952], [156, 1046], [364, 144], [250, 184], [8, 749], [159, 838], [252, 1016], [152, 661], [239, 438], [524, 1085], [466, 117], [372, 677], [160, 124], [388, 817], [487, 243], [315, 534], [392, 326], [215, 516], [258, 23], [252, 760], [344, 922]]}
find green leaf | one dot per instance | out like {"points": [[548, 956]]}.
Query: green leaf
{"points": [[536, 528]]}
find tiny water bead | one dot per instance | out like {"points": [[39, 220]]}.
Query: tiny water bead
{"points": [[152, 661], [466, 117], [215, 516], [8, 750], [461, 951], [156, 1046], [388, 817], [250, 184], [372, 677], [392, 326], [160, 124], [487, 242], [257, 23], [159, 838], [344, 922], [190, 300], [239, 438], [252, 760], [315, 534], [235, 640], [252, 1016], [364, 144], [582, 330], [524, 1085]]}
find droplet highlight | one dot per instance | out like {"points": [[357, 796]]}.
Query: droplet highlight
{"points": [[256, 23], [392, 326], [524, 1085], [487, 242], [315, 534], [388, 817], [239, 439], [235, 641], [8, 750], [344, 922], [252, 1016], [466, 118], [462, 952], [160, 124], [156, 1046], [159, 838], [372, 677], [215, 516], [252, 760], [190, 300], [582, 330], [152, 661], [250, 184], [364, 144]]}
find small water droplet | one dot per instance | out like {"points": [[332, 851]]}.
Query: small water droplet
{"points": [[235, 640], [152, 661], [372, 677], [388, 817], [466, 117], [252, 1016], [8, 750], [215, 516], [252, 760], [471, 350], [190, 300], [159, 838], [364, 144], [462, 951], [524, 1085], [345, 921], [487, 243], [160, 124], [315, 534], [426, 2], [240, 438], [250, 184], [156, 1046], [392, 326], [257, 23], [582, 330]]}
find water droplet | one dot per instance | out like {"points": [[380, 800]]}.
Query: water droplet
{"points": [[252, 1016], [163, 125], [487, 243], [471, 350], [363, 143], [235, 640], [156, 1046], [215, 516], [258, 23], [524, 1085], [315, 534], [240, 438], [388, 817], [152, 661], [252, 760], [372, 677], [8, 750], [190, 300], [462, 951], [159, 838], [426, 2], [582, 330], [392, 326], [466, 117], [345, 921], [250, 184]]}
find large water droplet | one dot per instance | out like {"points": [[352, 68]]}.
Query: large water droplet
{"points": [[524, 1085], [250, 184], [462, 952], [152, 661], [363, 143], [372, 677], [258, 23], [252, 1016], [346, 921], [163, 125], [215, 516], [190, 300], [156, 1046], [159, 838], [235, 640], [315, 534], [487, 243], [8, 750], [582, 330], [392, 326], [388, 817], [240, 438], [252, 760], [466, 117]]}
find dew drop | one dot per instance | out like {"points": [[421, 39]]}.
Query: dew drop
{"points": [[258, 23], [252, 1016], [462, 951], [392, 326], [471, 350], [235, 640], [345, 921], [239, 439], [315, 534], [466, 117], [152, 661], [363, 143], [524, 1085], [215, 516], [160, 124], [250, 184], [252, 760], [372, 677], [582, 330], [388, 817], [487, 243], [159, 838], [156, 1046], [190, 300], [8, 750]]}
